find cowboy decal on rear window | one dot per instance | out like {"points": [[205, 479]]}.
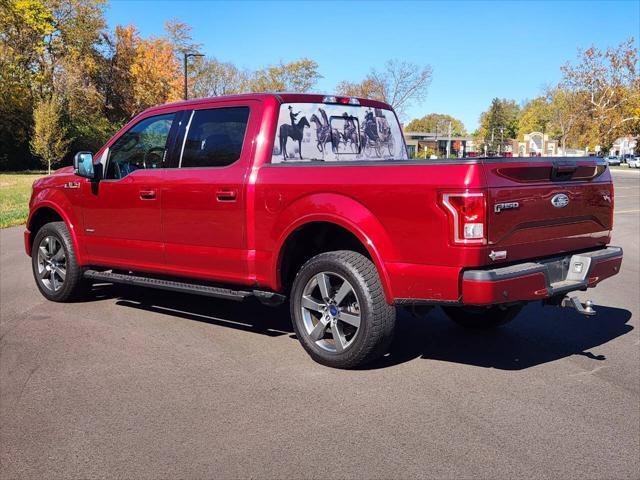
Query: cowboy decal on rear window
{"points": [[321, 132]]}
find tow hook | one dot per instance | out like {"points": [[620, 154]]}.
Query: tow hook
{"points": [[585, 308]]}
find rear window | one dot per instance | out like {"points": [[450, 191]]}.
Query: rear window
{"points": [[330, 133], [215, 137]]}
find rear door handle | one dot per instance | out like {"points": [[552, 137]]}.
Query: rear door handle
{"points": [[226, 195], [147, 194]]}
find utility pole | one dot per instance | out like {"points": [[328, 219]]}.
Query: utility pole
{"points": [[501, 140], [449, 141], [186, 57], [492, 141]]}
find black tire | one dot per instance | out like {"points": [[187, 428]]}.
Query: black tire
{"points": [[74, 286], [482, 318], [376, 317]]}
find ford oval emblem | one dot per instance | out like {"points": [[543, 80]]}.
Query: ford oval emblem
{"points": [[560, 200]]}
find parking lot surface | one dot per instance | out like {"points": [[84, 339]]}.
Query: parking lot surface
{"points": [[146, 384]]}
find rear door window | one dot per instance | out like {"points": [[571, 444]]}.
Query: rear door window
{"points": [[332, 132], [214, 137]]}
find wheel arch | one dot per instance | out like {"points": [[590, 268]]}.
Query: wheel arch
{"points": [[46, 212], [336, 233]]}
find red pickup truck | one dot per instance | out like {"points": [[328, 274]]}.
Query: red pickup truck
{"points": [[312, 198]]}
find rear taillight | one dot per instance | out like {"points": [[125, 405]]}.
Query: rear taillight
{"points": [[612, 202], [467, 216]]}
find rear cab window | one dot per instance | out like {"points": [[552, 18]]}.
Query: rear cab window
{"points": [[336, 132]]}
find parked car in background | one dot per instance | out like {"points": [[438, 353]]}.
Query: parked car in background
{"points": [[613, 160], [634, 162], [313, 198]]}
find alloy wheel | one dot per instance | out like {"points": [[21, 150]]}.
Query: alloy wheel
{"points": [[330, 311], [52, 263]]}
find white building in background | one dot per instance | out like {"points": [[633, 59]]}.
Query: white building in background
{"points": [[625, 146], [535, 144]]}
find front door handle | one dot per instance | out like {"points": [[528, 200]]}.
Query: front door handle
{"points": [[227, 195], [147, 194]]}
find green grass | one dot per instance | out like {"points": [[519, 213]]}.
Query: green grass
{"points": [[15, 190]]}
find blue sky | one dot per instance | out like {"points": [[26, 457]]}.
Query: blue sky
{"points": [[478, 50]]}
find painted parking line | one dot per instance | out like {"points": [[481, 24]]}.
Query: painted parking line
{"points": [[635, 171], [626, 211]]}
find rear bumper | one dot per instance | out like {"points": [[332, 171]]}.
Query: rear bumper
{"points": [[541, 279]]}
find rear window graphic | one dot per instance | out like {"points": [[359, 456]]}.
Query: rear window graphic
{"points": [[321, 132]]}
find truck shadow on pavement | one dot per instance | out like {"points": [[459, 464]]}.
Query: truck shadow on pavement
{"points": [[538, 335], [249, 316]]}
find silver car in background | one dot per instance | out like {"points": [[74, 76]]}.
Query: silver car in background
{"points": [[613, 160], [634, 162]]}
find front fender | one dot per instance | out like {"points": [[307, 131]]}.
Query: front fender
{"points": [[54, 199], [344, 212]]}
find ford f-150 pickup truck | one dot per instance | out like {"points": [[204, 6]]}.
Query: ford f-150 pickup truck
{"points": [[312, 199]]}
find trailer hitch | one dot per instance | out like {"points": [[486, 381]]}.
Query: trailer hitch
{"points": [[585, 308]]}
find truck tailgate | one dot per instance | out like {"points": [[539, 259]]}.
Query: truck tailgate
{"points": [[547, 206]]}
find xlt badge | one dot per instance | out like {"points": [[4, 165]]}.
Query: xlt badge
{"points": [[498, 207]]}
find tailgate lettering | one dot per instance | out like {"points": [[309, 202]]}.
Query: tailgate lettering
{"points": [[498, 207]]}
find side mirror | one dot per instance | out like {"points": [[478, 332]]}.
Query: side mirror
{"points": [[83, 164]]}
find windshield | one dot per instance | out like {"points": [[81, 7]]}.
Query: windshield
{"points": [[330, 133]]}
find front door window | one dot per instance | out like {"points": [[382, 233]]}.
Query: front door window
{"points": [[142, 146]]}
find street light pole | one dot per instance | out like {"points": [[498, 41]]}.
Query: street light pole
{"points": [[436, 149], [186, 58]]}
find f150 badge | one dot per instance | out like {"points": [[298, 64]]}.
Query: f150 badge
{"points": [[498, 207], [560, 200]]}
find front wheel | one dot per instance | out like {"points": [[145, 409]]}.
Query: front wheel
{"points": [[482, 318], [339, 311], [55, 268]]}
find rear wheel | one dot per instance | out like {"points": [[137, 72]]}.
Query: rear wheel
{"points": [[54, 264], [482, 318], [339, 311]]}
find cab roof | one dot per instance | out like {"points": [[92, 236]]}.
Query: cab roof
{"points": [[281, 97]]}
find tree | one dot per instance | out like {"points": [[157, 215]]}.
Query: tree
{"points": [[399, 84], [368, 88], [498, 125], [179, 36], [436, 122], [299, 76], [118, 82], [23, 26], [564, 111], [535, 117], [156, 74], [49, 139], [610, 83], [213, 78]]}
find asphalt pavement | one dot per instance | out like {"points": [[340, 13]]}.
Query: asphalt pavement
{"points": [[145, 384]]}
